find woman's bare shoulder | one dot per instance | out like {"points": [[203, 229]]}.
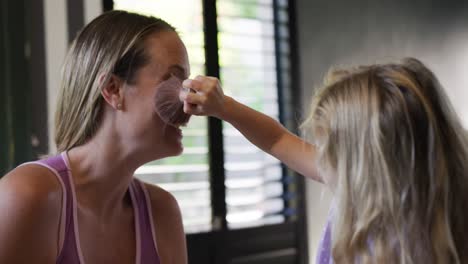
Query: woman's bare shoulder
{"points": [[30, 200], [167, 220], [30, 190], [31, 181], [162, 201]]}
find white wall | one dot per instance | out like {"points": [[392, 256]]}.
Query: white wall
{"points": [[92, 9], [56, 43], [344, 32]]}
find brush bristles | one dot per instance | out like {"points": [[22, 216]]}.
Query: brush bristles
{"points": [[167, 103]]}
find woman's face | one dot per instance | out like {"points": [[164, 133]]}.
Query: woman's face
{"points": [[156, 86]]}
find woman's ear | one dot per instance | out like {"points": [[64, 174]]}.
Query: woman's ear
{"points": [[112, 90]]}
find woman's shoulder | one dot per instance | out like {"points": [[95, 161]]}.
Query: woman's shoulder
{"points": [[31, 181], [30, 200], [30, 189], [161, 200], [167, 221]]}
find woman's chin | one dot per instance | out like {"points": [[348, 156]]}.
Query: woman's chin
{"points": [[166, 151], [176, 150], [179, 151]]}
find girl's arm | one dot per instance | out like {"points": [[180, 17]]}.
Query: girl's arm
{"points": [[260, 129]]}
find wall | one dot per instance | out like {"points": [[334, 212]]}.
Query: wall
{"points": [[344, 32], [56, 44]]}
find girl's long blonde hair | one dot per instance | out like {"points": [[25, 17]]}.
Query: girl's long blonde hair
{"points": [[113, 43], [395, 154]]}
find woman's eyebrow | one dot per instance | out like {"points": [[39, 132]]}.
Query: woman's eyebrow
{"points": [[178, 71]]}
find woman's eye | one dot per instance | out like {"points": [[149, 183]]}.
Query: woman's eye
{"points": [[167, 76]]}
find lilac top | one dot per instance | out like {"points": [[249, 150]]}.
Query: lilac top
{"points": [[70, 249], [324, 251]]}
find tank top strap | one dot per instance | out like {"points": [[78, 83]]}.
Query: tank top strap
{"points": [[68, 250], [145, 229]]}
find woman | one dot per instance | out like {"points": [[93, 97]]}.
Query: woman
{"points": [[84, 205], [388, 144]]}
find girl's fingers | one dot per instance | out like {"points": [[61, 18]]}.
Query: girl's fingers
{"points": [[183, 94], [201, 96], [194, 98], [194, 84], [192, 109], [202, 83]]}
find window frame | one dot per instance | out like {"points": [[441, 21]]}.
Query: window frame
{"points": [[17, 102], [280, 243]]}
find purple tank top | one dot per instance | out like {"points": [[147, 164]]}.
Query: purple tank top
{"points": [[324, 251], [70, 251]]}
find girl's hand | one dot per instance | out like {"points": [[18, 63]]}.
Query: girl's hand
{"points": [[203, 96]]}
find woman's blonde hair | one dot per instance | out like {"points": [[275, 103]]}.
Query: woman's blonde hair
{"points": [[113, 43], [395, 154]]}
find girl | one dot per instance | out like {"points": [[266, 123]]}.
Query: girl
{"points": [[387, 142]]}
